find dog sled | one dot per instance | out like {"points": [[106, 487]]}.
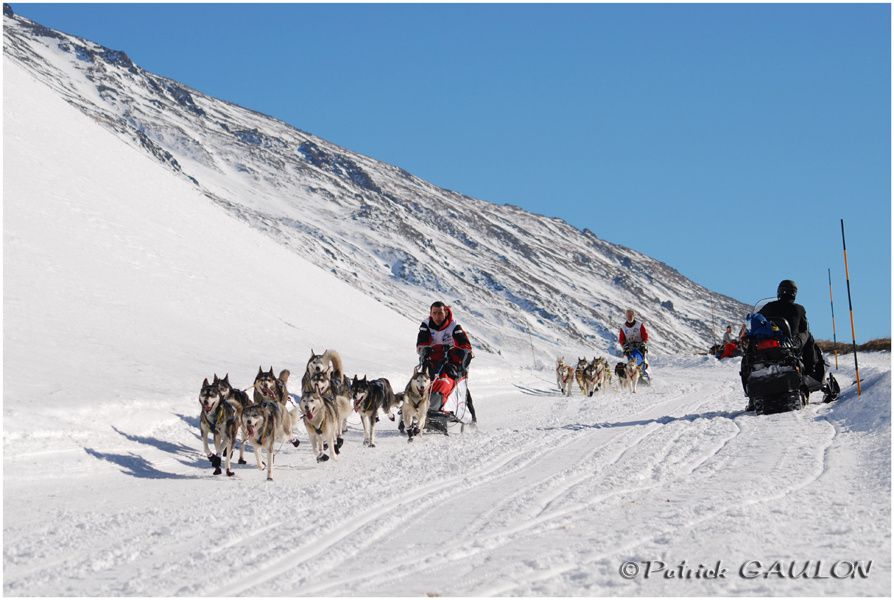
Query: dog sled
{"points": [[448, 406]]}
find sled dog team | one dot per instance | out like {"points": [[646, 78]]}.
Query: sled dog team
{"points": [[327, 399], [592, 375]]}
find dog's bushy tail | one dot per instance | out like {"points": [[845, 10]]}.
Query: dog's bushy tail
{"points": [[284, 375], [335, 361]]}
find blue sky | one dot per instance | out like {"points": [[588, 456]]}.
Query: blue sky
{"points": [[725, 140]]}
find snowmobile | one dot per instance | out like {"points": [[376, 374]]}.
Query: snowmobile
{"points": [[637, 350], [773, 372]]}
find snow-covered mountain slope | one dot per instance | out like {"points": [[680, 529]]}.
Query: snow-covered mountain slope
{"points": [[516, 279], [124, 287]]}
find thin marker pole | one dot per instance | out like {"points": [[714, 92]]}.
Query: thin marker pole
{"points": [[834, 339], [850, 306]]}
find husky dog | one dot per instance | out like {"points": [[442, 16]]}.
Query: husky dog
{"points": [[329, 362], [579, 373], [268, 387], [324, 416], [592, 378], [606, 370], [262, 423], [632, 373], [564, 376], [335, 389], [369, 397], [414, 409], [234, 396], [220, 418]]}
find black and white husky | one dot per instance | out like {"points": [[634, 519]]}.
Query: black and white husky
{"points": [[414, 408], [579, 374], [234, 395], [219, 417], [369, 397], [270, 388]]}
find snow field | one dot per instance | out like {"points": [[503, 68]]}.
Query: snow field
{"points": [[124, 288]]}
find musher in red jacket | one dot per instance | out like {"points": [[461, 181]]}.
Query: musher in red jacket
{"points": [[444, 348], [633, 334]]}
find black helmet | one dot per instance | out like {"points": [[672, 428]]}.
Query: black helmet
{"points": [[787, 290]]}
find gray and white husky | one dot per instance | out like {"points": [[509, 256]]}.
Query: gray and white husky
{"points": [[414, 408], [268, 387], [329, 362], [324, 413], [219, 417], [234, 395], [369, 397], [264, 422], [591, 377]]}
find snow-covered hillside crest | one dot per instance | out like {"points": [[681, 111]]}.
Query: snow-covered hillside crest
{"points": [[516, 279]]}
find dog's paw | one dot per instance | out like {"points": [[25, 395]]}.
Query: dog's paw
{"points": [[269, 478], [262, 466], [371, 445], [230, 473], [322, 458], [409, 438], [339, 442], [325, 445], [217, 470], [215, 462], [241, 461], [296, 442], [391, 417]]}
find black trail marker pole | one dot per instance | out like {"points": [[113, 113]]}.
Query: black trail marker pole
{"points": [[834, 339], [850, 306]]}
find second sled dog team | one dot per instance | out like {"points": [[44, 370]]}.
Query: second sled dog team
{"points": [[593, 375]]}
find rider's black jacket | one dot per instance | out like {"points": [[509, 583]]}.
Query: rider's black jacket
{"points": [[794, 314]]}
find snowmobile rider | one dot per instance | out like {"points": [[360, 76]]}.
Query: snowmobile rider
{"points": [[443, 346], [633, 334], [796, 317]]}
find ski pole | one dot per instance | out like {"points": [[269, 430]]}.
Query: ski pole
{"points": [[851, 307], [834, 339]]}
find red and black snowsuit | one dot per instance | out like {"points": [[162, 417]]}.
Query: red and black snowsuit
{"points": [[445, 351], [443, 342]]}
